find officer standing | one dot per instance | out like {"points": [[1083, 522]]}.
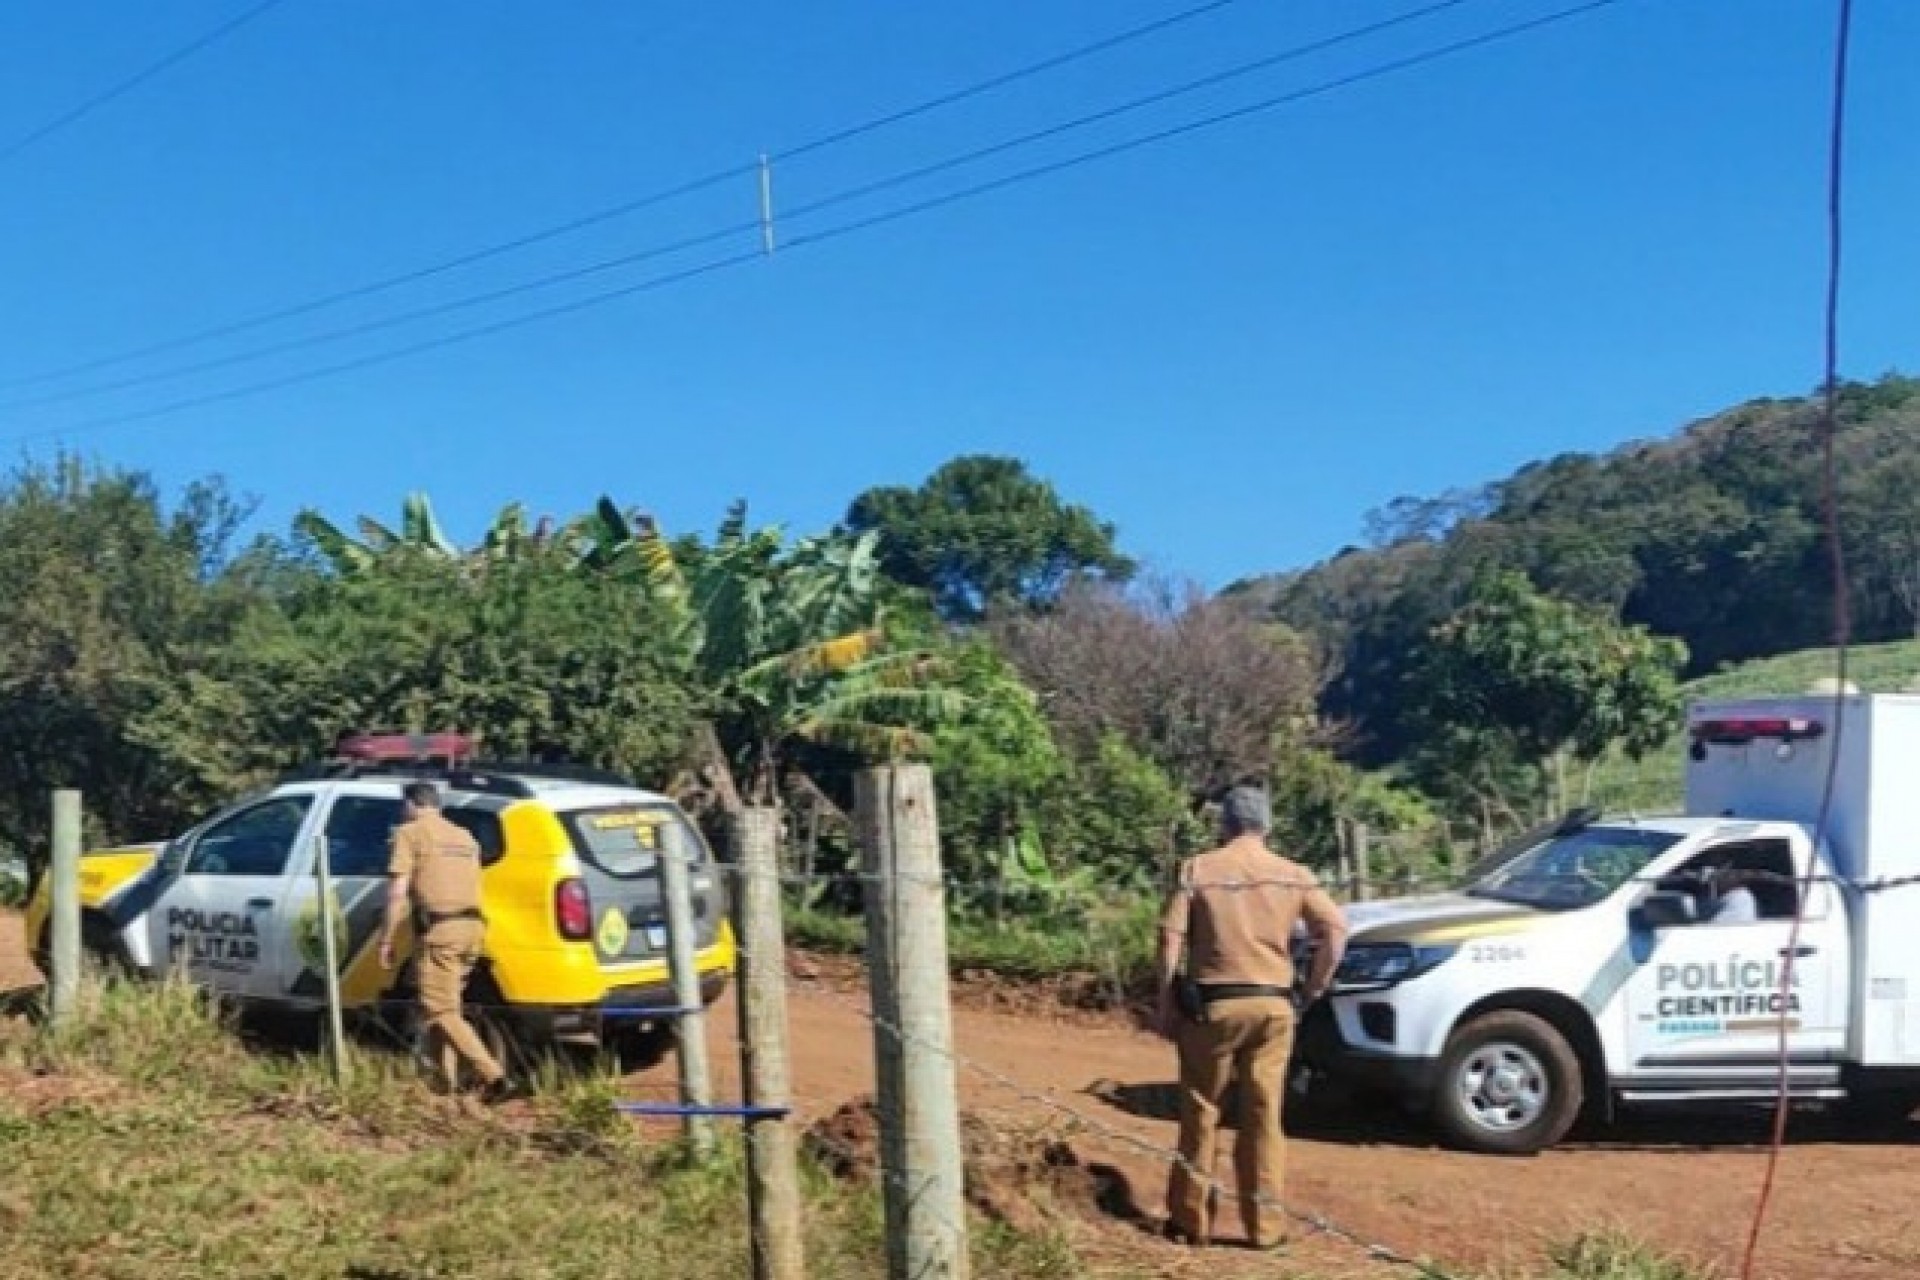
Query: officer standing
{"points": [[1231, 919], [435, 872]]}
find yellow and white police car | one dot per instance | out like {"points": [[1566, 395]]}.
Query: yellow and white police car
{"points": [[576, 941]]}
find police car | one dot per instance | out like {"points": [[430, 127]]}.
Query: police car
{"points": [[576, 940]]}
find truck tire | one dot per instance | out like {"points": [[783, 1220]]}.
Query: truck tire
{"points": [[1509, 1085], [1889, 1110]]}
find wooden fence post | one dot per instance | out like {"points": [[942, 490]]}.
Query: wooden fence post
{"points": [[913, 1025], [1362, 873], [690, 1022], [773, 1165], [330, 951], [63, 984]]}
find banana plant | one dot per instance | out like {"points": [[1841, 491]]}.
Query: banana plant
{"points": [[507, 539], [792, 644]]}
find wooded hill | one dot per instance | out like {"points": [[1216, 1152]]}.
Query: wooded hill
{"points": [[1714, 536]]}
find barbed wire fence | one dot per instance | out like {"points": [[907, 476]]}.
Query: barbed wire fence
{"points": [[920, 1158], [879, 881], [907, 903]]}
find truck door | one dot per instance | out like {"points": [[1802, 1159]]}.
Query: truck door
{"points": [[1702, 1008], [217, 923]]}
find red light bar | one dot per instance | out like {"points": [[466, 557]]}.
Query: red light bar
{"points": [[1738, 731], [405, 746]]}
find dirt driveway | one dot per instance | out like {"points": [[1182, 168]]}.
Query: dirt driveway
{"points": [[1843, 1211]]}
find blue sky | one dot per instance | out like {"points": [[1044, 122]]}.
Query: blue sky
{"points": [[1232, 345]]}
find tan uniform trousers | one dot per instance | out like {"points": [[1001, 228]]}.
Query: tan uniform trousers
{"points": [[448, 953], [1249, 1042]]}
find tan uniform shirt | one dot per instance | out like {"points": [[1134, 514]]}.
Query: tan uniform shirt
{"points": [[1237, 906], [443, 861]]}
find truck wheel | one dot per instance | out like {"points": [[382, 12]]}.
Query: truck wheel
{"points": [[1509, 1085], [1882, 1109]]}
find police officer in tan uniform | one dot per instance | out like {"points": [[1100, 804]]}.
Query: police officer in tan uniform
{"points": [[435, 872], [1230, 919]]}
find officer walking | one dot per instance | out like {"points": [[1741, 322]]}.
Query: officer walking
{"points": [[1231, 919], [435, 872]]}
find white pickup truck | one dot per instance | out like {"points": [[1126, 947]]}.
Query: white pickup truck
{"points": [[1631, 960]]}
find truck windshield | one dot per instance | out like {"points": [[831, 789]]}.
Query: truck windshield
{"points": [[1567, 872]]}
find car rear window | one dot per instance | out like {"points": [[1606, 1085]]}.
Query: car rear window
{"points": [[626, 840], [484, 826]]}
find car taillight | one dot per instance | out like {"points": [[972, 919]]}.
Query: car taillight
{"points": [[573, 910]]}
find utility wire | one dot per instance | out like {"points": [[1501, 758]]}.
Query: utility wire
{"points": [[839, 198], [120, 90], [1842, 605], [365, 327], [1182, 90], [1264, 105], [1001, 81], [651, 284], [612, 212]]}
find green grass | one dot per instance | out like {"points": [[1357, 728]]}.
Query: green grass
{"points": [[1656, 783], [1111, 948], [148, 1140], [1614, 1255]]}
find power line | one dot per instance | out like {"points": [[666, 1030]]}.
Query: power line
{"points": [[850, 195], [1205, 122], [363, 328], [1002, 81], [296, 310], [432, 344], [1842, 605], [1184, 89], [616, 211], [928, 205], [120, 90]]}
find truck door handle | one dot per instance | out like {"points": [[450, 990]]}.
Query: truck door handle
{"points": [[1798, 952], [259, 904]]}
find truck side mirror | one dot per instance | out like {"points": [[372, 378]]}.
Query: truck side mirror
{"points": [[1666, 908]]}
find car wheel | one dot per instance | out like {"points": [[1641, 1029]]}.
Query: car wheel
{"points": [[642, 1047], [1509, 1085], [498, 1029], [102, 951], [102, 954]]}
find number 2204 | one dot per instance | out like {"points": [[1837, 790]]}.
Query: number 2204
{"points": [[1495, 953]]}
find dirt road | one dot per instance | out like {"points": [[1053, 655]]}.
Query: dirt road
{"points": [[1843, 1211]]}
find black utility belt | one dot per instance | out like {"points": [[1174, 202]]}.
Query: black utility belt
{"points": [[1212, 991], [432, 918]]}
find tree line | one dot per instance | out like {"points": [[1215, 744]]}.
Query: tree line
{"points": [[1714, 538], [1456, 675], [154, 658]]}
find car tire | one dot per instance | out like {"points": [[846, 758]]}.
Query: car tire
{"points": [[642, 1048], [493, 1020], [102, 948], [102, 953], [1509, 1084]]}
